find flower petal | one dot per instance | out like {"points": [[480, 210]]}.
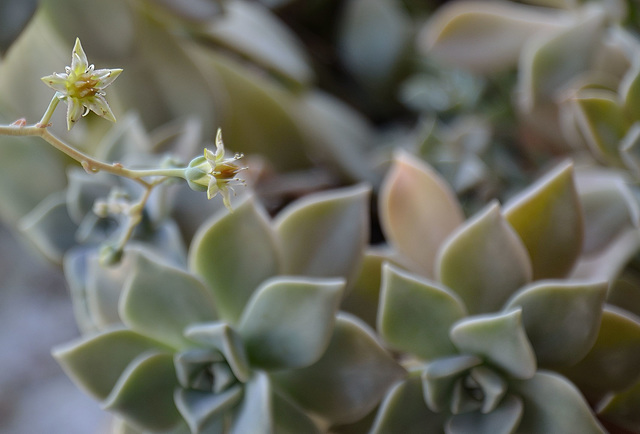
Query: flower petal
{"points": [[79, 63], [98, 104], [74, 111], [105, 77], [57, 81]]}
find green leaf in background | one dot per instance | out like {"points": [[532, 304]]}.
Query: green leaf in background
{"points": [[622, 408], [484, 36], [374, 36], [544, 69], [14, 15], [613, 363], [50, 228], [253, 31], [602, 122]]}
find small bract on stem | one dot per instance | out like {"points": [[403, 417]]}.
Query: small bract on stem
{"points": [[81, 87]]}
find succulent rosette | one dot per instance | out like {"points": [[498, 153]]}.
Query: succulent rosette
{"points": [[488, 313], [243, 342]]}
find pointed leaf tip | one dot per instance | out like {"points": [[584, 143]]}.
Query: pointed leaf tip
{"points": [[418, 210], [548, 218]]}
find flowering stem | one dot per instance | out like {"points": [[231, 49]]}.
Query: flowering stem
{"points": [[49, 112], [89, 164], [92, 165]]}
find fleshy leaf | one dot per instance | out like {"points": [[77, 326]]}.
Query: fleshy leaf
{"points": [[502, 420], [348, 380], [622, 408], [96, 363], [103, 286], [289, 321], [561, 319], [255, 413], [50, 228], [548, 218], [484, 261], [404, 411], [159, 301], [324, 235], [363, 298], [601, 121], [500, 339], [484, 36], [415, 315], [84, 189], [553, 405], [144, 393], [493, 386], [234, 253], [630, 148], [226, 340], [630, 92], [202, 409], [417, 211], [614, 360], [609, 208], [290, 418], [440, 376], [250, 28], [544, 68]]}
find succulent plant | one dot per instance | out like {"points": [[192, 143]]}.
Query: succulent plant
{"points": [[511, 271], [239, 350]]}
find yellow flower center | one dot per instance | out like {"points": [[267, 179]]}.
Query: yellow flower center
{"points": [[81, 85]]}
